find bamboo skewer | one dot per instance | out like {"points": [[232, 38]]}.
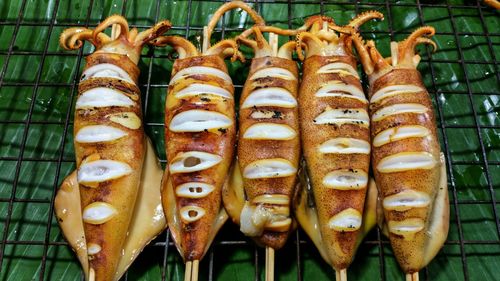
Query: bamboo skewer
{"points": [[191, 270], [269, 264], [194, 272], [188, 271], [341, 275], [412, 276]]}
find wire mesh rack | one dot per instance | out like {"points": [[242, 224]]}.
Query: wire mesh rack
{"points": [[38, 83]]}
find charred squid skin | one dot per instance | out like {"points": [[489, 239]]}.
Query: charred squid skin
{"points": [[199, 157], [109, 138], [406, 158], [258, 143]]}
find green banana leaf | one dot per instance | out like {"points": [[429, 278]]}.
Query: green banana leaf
{"points": [[37, 88]]}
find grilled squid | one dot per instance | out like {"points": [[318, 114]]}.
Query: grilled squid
{"points": [[109, 208], [407, 163], [259, 195], [200, 134], [335, 136]]}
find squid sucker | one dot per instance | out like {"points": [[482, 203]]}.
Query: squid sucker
{"points": [[259, 196], [335, 137], [407, 163], [110, 207]]}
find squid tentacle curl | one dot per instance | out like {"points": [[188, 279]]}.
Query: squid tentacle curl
{"points": [[123, 40], [225, 48], [403, 54], [258, 20], [261, 46]]}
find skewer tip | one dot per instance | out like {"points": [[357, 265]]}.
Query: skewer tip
{"points": [[269, 264], [341, 275], [412, 276]]}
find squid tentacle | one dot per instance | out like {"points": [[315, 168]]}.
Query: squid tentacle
{"points": [[286, 50], [152, 33], [226, 48], [72, 38], [182, 46], [314, 23], [360, 19], [227, 7], [260, 45], [406, 48], [309, 40], [115, 19]]}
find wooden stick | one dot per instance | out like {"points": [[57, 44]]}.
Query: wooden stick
{"points": [[341, 275], [188, 270], [412, 276], [269, 264], [273, 41], [206, 40], [194, 272], [115, 31]]}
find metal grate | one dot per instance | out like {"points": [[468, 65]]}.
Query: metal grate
{"points": [[467, 107]]}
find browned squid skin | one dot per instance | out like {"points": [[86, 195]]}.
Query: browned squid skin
{"points": [[329, 201], [194, 237], [250, 150], [119, 192], [111, 235], [409, 250]]}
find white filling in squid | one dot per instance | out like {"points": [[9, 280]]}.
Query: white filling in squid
{"points": [[273, 96], [343, 116], [99, 133], [93, 248], [199, 120], [198, 89], [345, 146], [398, 109], [200, 70], [347, 220], [102, 170], [406, 161], [191, 213], [98, 213], [194, 190], [393, 90], [406, 227], [269, 131], [103, 97], [193, 161], [274, 72], [106, 70], [344, 179], [340, 89], [275, 199], [339, 67], [400, 133], [269, 168], [406, 200]]}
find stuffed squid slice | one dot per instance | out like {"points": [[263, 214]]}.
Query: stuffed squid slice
{"points": [[200, 134], [110, 148], [408, 165], [335, 137]]}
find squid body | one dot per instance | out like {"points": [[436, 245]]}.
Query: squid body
{"points": [[335, 131], [408, 165], [109, 208]]}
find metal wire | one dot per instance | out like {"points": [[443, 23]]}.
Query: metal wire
{"points": [[165, 242]]}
